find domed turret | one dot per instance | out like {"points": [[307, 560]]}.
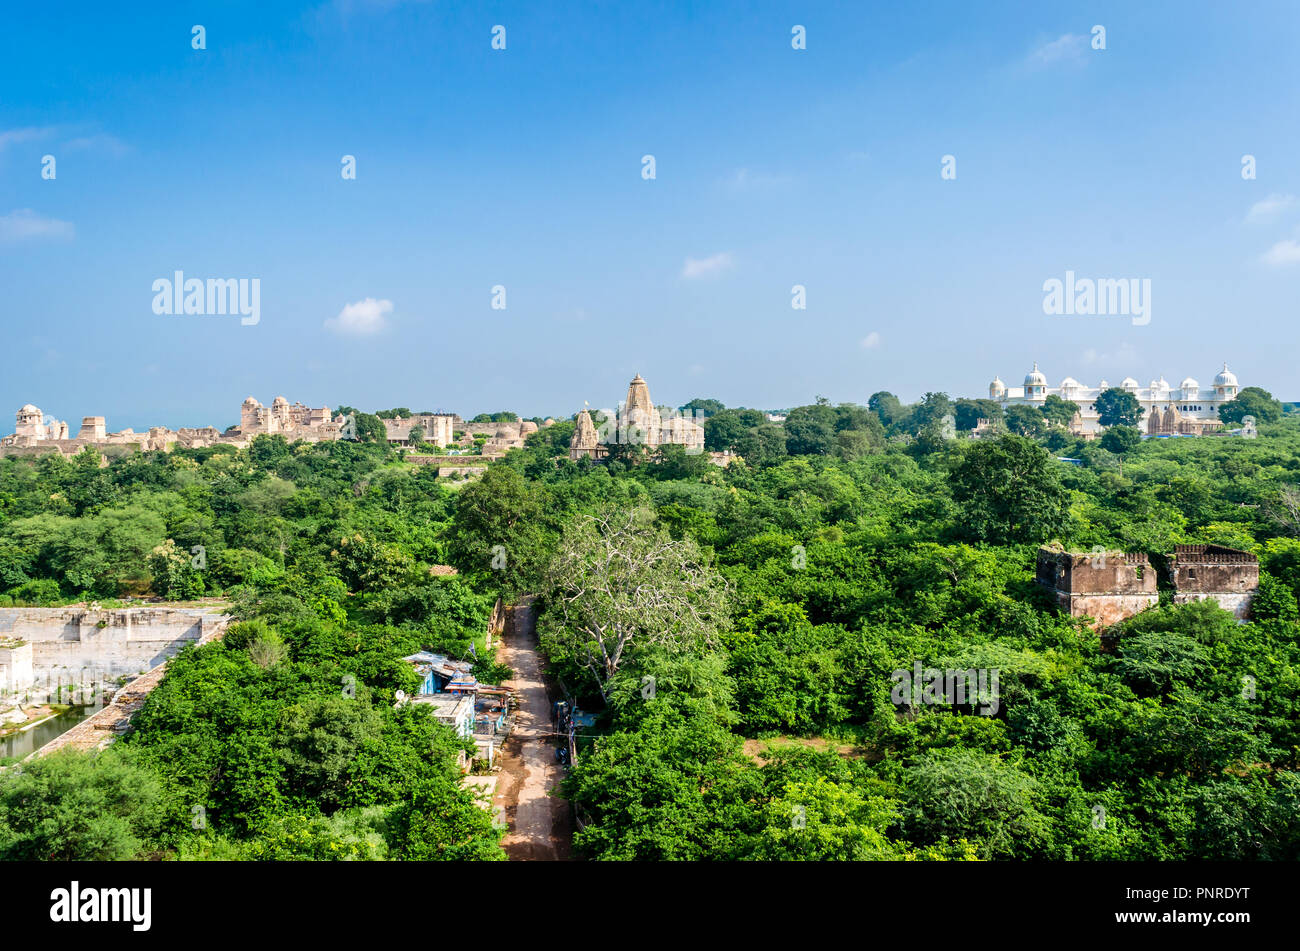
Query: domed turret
{"points": [[997, 389], [1226, 377], [1225, 384], [1035, 384], [1189, 384], [1128, 383]]}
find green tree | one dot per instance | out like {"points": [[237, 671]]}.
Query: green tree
{"points": [[174, 575], [887, 406], [820, 821], [1121, 440], [963, 793], [1117, 407], [1025, 420], [1251, 401], [72, 806], [810, 430], [498, 531], [619, 582], [320, 744], [968, 413], [1008, 492], [702, 407], [1058, 411]]}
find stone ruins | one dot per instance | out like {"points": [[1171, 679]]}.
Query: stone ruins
{"points": [[292, 421], [468, 444], [1109, 586], [36, 433], [436, 429]]}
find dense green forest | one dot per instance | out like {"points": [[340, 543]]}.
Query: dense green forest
{"points": [[735, 628]]}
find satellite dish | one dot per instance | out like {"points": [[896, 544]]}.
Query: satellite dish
{"points": [[401, 698]]}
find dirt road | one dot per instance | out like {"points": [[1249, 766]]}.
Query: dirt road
{"points": [[539, 824]]}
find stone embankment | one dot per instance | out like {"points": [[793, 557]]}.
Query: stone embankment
{"points": [[101, 728]]}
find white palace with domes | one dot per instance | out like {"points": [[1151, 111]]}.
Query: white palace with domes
{"points": [[1186, 409]]}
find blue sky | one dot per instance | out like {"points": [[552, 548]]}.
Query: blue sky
{"points": [[522, 167]]}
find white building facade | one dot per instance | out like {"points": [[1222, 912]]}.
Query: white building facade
{"points": [[1193, 409]]}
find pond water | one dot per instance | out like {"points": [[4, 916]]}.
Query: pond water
{"points": [[20, 744]]}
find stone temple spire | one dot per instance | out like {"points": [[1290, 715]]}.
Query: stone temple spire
{"points": [[640, 423], [638, 397], [584, 436]]}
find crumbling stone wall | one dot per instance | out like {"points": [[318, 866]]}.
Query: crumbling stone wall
{"points": [[1106, 586], [1227, 575], [1111, 586]]}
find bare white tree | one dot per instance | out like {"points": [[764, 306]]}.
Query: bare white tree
{"points": [[619, 580], [1286, 510]]}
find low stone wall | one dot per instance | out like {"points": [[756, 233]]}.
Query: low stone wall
{"points": [[101, 728], [1105, 609], [456, 461], [1237, 603], [77, 642]]}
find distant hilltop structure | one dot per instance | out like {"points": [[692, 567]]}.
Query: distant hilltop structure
{"points": [[1188, 409], [639, 422], [435, 429], [36, 433], [293, 421]]}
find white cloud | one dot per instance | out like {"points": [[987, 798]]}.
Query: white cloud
{"points": [[1283, 254], [871, 341], [1124, 357], [1067, 48], [746, 180], [25, 224], [1269, 208], [706, 267], [100, 143], [10, 137], [361, 319]]}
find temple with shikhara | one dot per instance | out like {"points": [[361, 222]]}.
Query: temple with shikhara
{"points": [[637, 422]]}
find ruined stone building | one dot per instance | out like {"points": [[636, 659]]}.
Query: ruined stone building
{"points": [[437, 429], [1106, 586], [32, 428], [1227, 575], [36, 433], [1109, 586], [294, 421]]}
